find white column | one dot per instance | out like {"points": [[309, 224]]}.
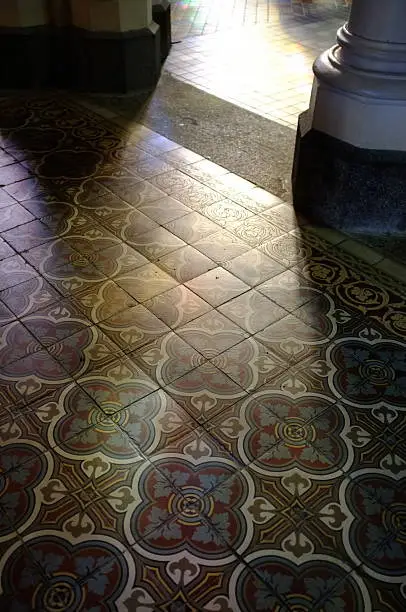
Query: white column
{"points": [[359, 91]]}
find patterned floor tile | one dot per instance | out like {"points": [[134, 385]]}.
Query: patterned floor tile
{"points": [[165, 210], [157, 243], [14, 215], [252, 311], [73, 277], [221, 247], [205, 392], [103, 300], [211, 334], [52, 255], [105, 206], [117, 259], [15, 270], [250, 364], [192, 227], [177, 306], [217, 286], [16, 342], [133, 328], [5, 250], [254, 267], [6, 316], [255, 230], [257, 200], [226, 212], [116, 385], [288, 289], [128, 226], [56, 322], [29, 296], [286, 249], [167, 358], [283, 216], [80, 353], [139, 193], [185, 263], [28, 236], [145, 282]]}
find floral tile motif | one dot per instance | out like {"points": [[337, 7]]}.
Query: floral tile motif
{"points": [[73, 277], [286, 249], [102, 301], [55, 322], [116, 385], [6, 316], [226, 212], [146, 282], [252, 311], [222, 246], [29, 296], [157, 243], [137, 193], [254, 267], [204, 392], [15, 270], [167, 358], [81, 352], [288, 289], [177, 306], [129, 226], [192, 227], [133, 328], [117, 259], [283, 216], [255, 230], [250, 364], [211, 334], [186, 263], [52, 255], [257, 200], [217, 286], [16, 342], [105, 206], [165, 210]]}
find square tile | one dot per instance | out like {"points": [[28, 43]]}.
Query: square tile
{"points": [[167, 358], [252, 311], [29, 235], [133, 328], [129, 225], [288, 289], [185, 263], [118, 259], [165, 210], [5, 250], [284, 216], [177, 306], [254, 267], [157, 243], [13, 173], [55, 322], [212, 334], [222, 246], [287, 249], [192, 227], [14, 215], [6, 316], [16, 342], [255, 230], [205, 392], [145, 282], [257, 200], [217, 286], [15, 270], [250, 364], [103, 300], [226, 212]]}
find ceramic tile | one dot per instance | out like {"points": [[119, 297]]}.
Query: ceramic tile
{"points": [[16, 342], [157, 243], [103, 300], [177, 306], [5, 250], [211, 334], [288, 289], [145, 282], [221, 246], [12, 216], [185, 263], [29, 296], [252, 311], [254, 267], [55, 322], [29, 235], [255, 230], [117, 259], [165, 210], [192, 227], [217, 286], [226, 212], [15, 270]]}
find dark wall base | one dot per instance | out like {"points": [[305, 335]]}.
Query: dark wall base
{"points": [[354, 190], [72, 58], [161, 14], [24, 54]]}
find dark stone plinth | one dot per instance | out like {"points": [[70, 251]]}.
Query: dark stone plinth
{"points": [[72, 58], [117, 62], [347, 188], [161, 14], [24, 54]]}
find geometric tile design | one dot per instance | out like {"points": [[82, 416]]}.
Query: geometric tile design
{"points": [[175, 435]]}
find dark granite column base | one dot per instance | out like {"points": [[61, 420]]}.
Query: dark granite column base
{"points": [[161, 14], [24, 54], [120, 62], [347, 188]]}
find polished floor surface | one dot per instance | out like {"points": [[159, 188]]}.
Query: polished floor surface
{"points": [[202, 398], [255, 53]]}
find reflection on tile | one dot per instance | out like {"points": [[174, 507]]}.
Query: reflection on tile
{"points": [[211, 334], [178, 306], [254, 267], [252, 311], [222, 246], [217, 286], [186, 263], [145, 282]]}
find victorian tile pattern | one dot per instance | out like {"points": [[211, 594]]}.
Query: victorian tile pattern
{"points": [[202, 401]]}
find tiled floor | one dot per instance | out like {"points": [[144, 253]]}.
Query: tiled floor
{"points": [[202, 399], [255, 53]]}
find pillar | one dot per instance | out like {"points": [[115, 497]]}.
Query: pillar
{"points": [[350, 159], [161, 14], [24, 45], [116, 45]]}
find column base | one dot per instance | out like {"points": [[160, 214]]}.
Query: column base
{"points": [[348, 188], [161, 14], [24, 57], [120, 62]]}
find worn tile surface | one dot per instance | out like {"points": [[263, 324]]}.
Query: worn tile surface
{"points": [[202, 403]]}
